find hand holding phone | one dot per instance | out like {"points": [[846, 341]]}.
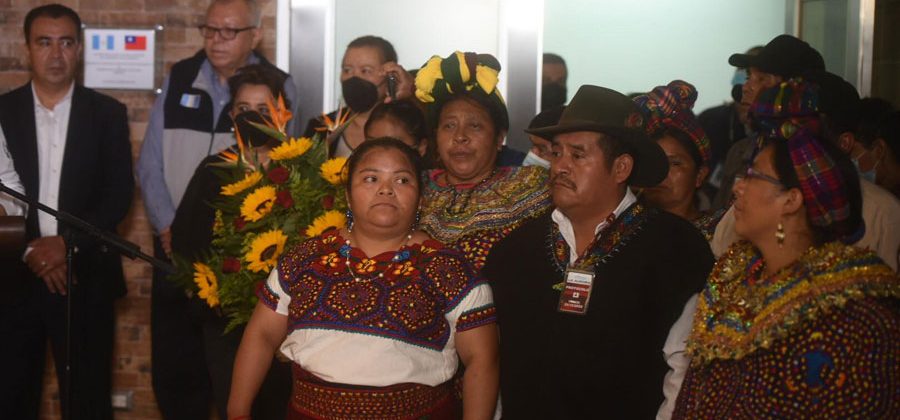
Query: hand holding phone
{"points": [[392, 85]]}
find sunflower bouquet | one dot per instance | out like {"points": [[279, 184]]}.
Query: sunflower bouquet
{"points": [[260, 212]]}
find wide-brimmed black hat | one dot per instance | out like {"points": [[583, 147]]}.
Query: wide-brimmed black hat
{"points": [[784, 55], [602, 110]]}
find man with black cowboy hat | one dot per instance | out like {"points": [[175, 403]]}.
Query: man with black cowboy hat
{"points": [[587, 294], [783, 58]]}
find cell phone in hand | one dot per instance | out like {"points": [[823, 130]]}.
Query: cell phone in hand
{"points": [[392, 85]]}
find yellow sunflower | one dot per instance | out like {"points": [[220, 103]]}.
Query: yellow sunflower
{"points": [[334, 170], [207, 283], [332, 218], [249, 180], [291, 148], [265, 250], [258, 203]]}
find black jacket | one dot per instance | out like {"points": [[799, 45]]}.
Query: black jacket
{"points": [[96, 182], [607, 363]]}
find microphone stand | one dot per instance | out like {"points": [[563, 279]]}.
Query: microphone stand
{"points": [[107, 240]]}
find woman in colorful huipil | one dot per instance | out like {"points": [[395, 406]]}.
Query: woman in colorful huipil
{"points": [[377, 316], [470, 201], [671, 123], [794, 323]]}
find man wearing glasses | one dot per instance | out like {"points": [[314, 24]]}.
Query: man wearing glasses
{"points": [[187, 123]]}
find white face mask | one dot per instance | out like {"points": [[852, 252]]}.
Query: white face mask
{"points": [[532, 159]]}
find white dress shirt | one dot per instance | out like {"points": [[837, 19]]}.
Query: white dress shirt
{"points": [[568, 232], [52, 126], [10, 178]]}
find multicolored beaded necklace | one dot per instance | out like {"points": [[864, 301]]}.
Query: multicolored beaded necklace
{"points": [[606, 243], [400, 256]]}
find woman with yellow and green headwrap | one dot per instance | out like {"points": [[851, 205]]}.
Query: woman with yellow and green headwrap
{"points": [[471, 202]]}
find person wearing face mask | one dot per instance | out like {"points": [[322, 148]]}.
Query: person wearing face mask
{"points": [[838, 108], [539, 154], [251, 87], [784, 57], [188, 122], [554, 75], [725, 125], [368, 64], [794, 322], [872, 154]]}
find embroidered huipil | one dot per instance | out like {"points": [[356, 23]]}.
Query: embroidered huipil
{"points": [[474, 217], [377, 331], [818, 339]]}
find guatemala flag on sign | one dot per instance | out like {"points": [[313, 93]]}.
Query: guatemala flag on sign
{"points": [[138, 43]]}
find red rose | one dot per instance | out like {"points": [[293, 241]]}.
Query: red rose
{"points": [[328, 202], [279, 175], [284, 199], [239, 222], [231, 265]]}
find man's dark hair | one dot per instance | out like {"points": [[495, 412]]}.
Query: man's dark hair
{"points": [[614, 144], [889, 131], [258, 74], [871, 112], [551, 58], [52, 11], [387, 50]]}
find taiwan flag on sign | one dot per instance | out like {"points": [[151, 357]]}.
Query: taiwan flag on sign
{"points": [[135, 42]]}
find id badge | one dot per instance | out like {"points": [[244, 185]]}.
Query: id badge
{"points": [[576, 293]]}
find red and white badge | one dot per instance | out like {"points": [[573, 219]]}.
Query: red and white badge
{"points": [[576, 293]]}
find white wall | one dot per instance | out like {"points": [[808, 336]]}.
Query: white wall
{"points": [[634, 45], [418, 29]]}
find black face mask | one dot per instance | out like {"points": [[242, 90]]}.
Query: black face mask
{"points": [[359, 94], [552, 95], [251, 135]]}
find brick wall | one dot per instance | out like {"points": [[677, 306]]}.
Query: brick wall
{"points": [[179, 40]]}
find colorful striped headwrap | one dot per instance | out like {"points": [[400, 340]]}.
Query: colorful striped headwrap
{"points": [[789, 112], [440, 79], [671, 106]]}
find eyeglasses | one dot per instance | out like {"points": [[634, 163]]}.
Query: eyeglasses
{"points": [[754, 174], [228, 34]]}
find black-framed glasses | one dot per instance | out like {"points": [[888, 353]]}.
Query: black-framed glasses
{"points": [[754, 174], [226, 33]]}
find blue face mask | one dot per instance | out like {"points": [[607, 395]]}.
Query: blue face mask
{"points": [[740, 76], [532, 159], [867, 175]]}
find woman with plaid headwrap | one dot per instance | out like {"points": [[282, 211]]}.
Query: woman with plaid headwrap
{"points": [[471, 202], [793, 322], [672, 124]]}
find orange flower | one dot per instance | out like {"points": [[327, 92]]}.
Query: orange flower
{"points": [[279, 114]]}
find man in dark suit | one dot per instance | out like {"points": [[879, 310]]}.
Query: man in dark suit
{"points": [[71, 148]]}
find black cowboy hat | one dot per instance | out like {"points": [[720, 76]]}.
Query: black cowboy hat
{"points": [[602, 110]]}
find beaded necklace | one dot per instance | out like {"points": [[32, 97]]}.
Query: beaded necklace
{"points": [[400, 256]]}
